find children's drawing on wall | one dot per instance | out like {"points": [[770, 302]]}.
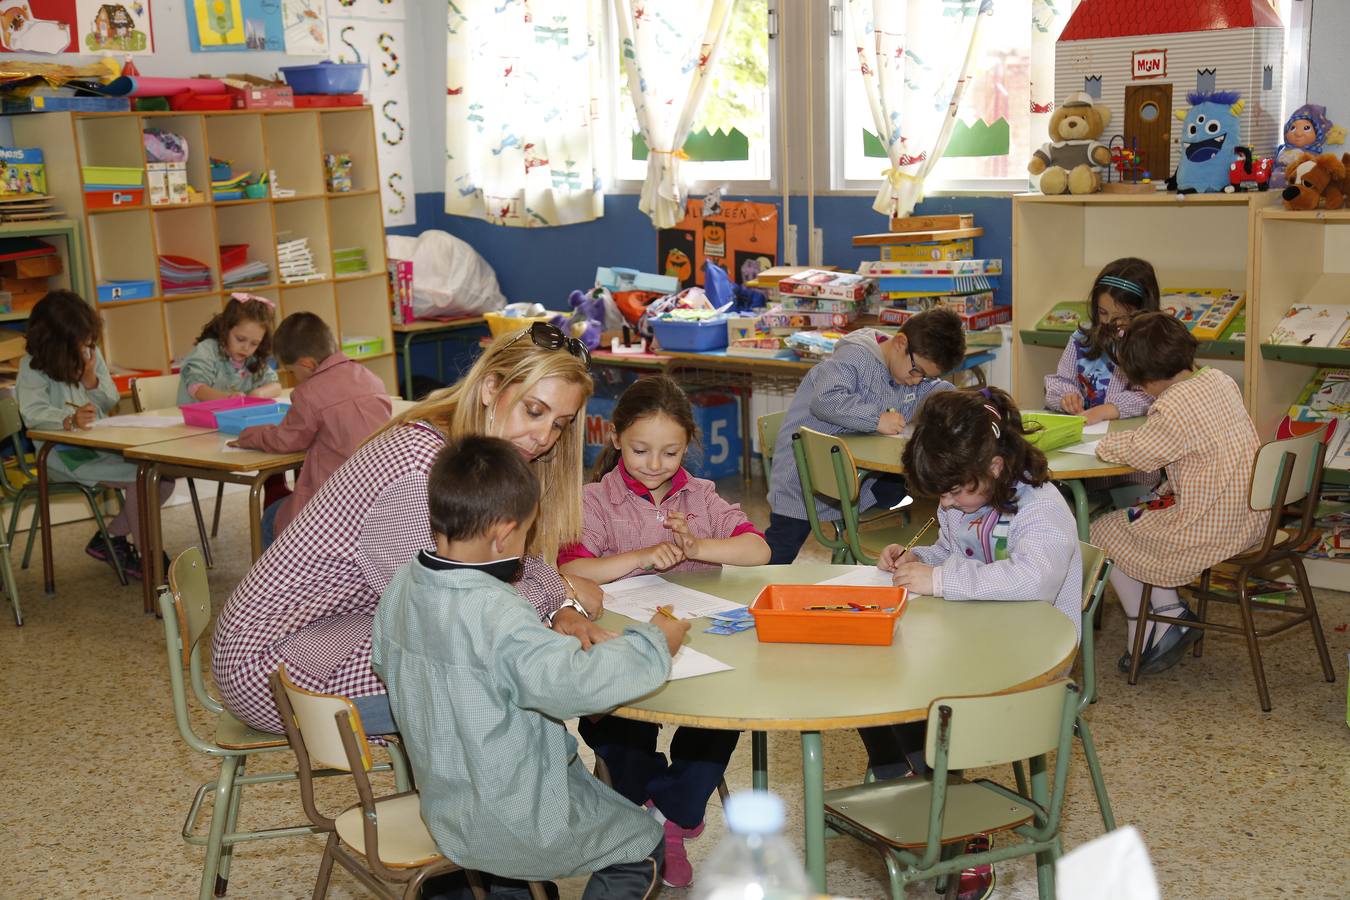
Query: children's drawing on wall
{"points": [[306, 23], [675, 254], [235, 25], [37, 26], [119, 27], [368, 9], [740, 237]]}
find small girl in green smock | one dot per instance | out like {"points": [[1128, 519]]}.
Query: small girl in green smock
{"points": [[232, 352], [64, 385]]}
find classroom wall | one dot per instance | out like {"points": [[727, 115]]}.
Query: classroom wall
{"points": [[1328, 63]]}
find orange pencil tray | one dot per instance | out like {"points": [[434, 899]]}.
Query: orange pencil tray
{"points": [[781, 616]]}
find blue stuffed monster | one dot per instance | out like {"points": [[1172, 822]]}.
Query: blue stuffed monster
{"points": [[1210, 133]]}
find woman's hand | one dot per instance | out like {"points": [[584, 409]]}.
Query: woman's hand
{"points": [[85, 416], [1072, 404], [890, 557], [574, 624], [586, 592], [678, 524], [660, 557], [914, 575]]}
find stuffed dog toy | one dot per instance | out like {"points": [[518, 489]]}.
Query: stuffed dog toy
{"points": [[1315, 180]]}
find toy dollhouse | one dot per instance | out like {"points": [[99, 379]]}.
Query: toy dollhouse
{"points": [[1142, 57]]}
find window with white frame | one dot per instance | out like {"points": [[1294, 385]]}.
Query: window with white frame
{"points": [[733, 136], [991, 144]]}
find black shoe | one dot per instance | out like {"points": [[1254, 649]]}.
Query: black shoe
{"points": [[1168, 651]]}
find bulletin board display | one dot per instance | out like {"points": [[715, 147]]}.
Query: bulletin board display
{"points": [[741, 237]]}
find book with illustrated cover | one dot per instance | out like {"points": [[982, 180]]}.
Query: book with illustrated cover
{"points": [[1237, 329], [1064, 316], [820, 283], [1311, 325], [939, 284], [963, 248], [1212, 322], [884, 268], [1186, 304]]}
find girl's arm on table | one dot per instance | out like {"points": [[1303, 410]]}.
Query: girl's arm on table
{"points": [[1064, 380], [1156, 443]]}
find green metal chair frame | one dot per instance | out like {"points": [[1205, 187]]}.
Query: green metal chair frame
{"points": [[836, 543], [11, 426], [186, 608], [843, 488], [968, 733], [769, 425]]}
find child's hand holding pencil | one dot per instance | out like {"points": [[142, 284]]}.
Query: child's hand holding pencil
{"points": [[83, 417], [673, 628], [906, 570]]}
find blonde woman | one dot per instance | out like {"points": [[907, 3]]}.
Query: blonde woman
{"points": [[310, 600]]}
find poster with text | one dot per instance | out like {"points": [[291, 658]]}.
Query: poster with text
{"points": [[235, 25], [117, 28], [373, 9], [306, 23], [39, 26], [381, 45], [741, 237]]}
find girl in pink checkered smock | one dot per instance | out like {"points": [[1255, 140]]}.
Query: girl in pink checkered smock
{"points": [[646, 513], [1200, 433]]}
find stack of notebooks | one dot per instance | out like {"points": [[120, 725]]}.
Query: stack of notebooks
{"points": [[350, 261], [27, 207], [182, 275], [251, 273], [296, 262], [1314, 325], [964, 286]]}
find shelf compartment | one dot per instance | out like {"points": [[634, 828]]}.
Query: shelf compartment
{"points": [[239, 139], [184, 320], [384, 369], [251, 225], [356, 222], [363, 311], [133, 335], [188, 231], [305, 219], [314, 298], [122, 246], [1311, 356], [111, 141], [352, 132], [294, 151], [191, 128]]}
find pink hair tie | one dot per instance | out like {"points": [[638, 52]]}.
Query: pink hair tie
{"points": [[244, 298]]}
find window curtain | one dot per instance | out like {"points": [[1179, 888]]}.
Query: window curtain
{"points": [[521, 106], [669, 49], [1048, 18], [916, 58]]}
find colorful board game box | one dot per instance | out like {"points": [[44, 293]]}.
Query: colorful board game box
{"points": [[22, 171]]}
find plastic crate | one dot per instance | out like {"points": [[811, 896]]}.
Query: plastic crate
{"points": [[233, 421], [782, 615], [708, 334], [325, 77], [122, 197], [499, 324], [203, 415], [117, 291], [123, 380], [362, 346], [113, 176]]}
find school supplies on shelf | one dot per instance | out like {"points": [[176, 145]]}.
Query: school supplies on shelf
{"points": [[1206, 312], [350, 261], [337, 170], [238, 271], [183, 275], [1311, 325], [912, 269], [295, 261], [963, 248], [820, 283]]}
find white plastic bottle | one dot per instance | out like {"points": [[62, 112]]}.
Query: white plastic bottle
{"points": [[754, 861]]}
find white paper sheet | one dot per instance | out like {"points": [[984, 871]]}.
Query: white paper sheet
{"points": [[1087, 448], [861, 576], [1097, 427], [138, 421], [689, 663], [639, 596]]}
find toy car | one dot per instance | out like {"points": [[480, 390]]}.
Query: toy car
{"points": [[1245, 172]]}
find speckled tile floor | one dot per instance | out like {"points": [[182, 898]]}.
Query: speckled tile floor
{"points": [[98, 780]]}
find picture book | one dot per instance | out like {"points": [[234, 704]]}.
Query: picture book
{"points": [[1237, 329], [1064, 316], [22, 171], [1213, 321], [884, 268], [1187, 304], [1311, 325]]}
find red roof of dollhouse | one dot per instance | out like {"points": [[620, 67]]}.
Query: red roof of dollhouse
{"points": [[1125, 18]]}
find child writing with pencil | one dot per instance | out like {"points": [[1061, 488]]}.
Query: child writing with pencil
{"points": [[231, 355], [870, 383], [646, 513], [64, 385]]}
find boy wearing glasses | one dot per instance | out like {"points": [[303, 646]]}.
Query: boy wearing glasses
{"points": [[869, 384]]}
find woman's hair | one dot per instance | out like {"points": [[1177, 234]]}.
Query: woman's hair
{"points": [[1154, 346], [656, 395], [1133, 284], [513, 362], [248, 309], [957, 436], [60, 326]]}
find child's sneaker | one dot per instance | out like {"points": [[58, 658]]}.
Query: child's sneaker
{"points": [[126, 553], [977, 882], [678, 873]]}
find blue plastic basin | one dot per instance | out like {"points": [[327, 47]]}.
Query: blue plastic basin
{"points": [[325, 77]]}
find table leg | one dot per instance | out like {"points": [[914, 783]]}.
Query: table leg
{"points": [[759, 760], [144, 534], [745, 431], [1040, 792], [45, 513], [406, 339], [255, 514], [813, 798], [1080, 506]]}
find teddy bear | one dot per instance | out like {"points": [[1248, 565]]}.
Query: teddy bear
{"points": [[1313, 180], [1070, 163]]}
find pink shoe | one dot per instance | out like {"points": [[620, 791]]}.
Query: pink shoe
{"points": [[678, 872]]}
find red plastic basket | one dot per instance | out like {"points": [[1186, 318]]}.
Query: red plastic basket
{"points": [[782, 617]]}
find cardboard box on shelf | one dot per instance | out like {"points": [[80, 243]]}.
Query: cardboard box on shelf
{"points": [[31, 267], [157, 183], [177, 180], [252, 92]]}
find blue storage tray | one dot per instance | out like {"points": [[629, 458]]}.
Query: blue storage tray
{"points": [[325, 77], [116, 291], [691, 336], [227, 195], [233, 421]]}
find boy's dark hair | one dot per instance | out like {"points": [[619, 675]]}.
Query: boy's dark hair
{"points": [[301, 335], [60, 326], [477, 482], [1154, 347], [650, 396], [956, 437], [938, 336], [1133, 284], [236, 311]]}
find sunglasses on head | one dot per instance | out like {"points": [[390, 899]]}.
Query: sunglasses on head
{"points": [[551, 337]]}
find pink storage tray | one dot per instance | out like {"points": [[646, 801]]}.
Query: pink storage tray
{"points": [[203, 415]]}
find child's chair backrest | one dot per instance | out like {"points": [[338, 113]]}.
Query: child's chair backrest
{"points": [[821, 450], [1000, 728], [11, 423], [1306, 450], [191, 596], [315, 717], [1094, 571], [769, 425], [154, 392]]}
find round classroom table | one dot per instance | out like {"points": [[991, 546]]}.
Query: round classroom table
{"points": [[941, 649]]}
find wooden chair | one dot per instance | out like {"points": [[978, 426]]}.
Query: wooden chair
{"points": [[161, 392], [24, 487], [186, 608], [921, 825], [382, 841], [1286, 473], [769, 425], [826, 467]]}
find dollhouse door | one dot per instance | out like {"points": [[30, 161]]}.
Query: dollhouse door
{"points": [[1148, 126]]}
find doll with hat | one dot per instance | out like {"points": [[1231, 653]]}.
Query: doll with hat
{"points": [[1308, 130]]}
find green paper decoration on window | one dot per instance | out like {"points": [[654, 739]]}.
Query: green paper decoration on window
{"points": [[978, 140], [706, 146]]}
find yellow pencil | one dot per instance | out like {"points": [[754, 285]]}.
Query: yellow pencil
{"points": [[666, 611], [75, 405], [914, 540]]}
